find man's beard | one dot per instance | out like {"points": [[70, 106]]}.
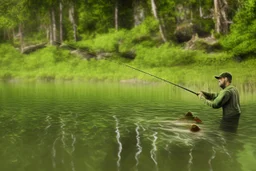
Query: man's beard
{"points": [[223, 85]]}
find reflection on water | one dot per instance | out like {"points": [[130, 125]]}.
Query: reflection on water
{"points": [[119, 143], [78, 126], [154, 149], [211, 158], [139, 148]]}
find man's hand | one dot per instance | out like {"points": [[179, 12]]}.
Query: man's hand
{"points": [[201, 95]]}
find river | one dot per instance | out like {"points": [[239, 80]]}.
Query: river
{"points": [[77, 126]]}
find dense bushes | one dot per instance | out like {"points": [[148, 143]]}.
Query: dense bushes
{"points": [[9, 56], [164, 56], [122, 40], [169, 62], [242, 39]]}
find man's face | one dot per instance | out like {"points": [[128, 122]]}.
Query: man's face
{"points": [[222, 82]]}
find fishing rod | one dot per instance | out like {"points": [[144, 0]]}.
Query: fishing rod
{"points": [[184, 88]]}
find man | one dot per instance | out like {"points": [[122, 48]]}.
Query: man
{"points": [[228, 99]]}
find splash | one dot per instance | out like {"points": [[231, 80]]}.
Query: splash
{"points": [[190, 161], [139, 148], [118, 141], [212, 157], [153, 151]]}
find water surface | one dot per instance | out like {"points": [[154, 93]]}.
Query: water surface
{"points": [[106, 126]]}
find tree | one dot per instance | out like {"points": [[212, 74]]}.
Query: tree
{"points": [[138, 12], [242, 39], [61, 21], [116, 15], [72, 19], [221, 16], [154, 10]]}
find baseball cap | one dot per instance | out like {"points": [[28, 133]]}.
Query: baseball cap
{"points": [[223, 75]]}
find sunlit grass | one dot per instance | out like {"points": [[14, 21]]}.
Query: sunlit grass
{"points": [[52, 63]]}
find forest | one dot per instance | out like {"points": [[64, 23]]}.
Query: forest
{"points": [[79, 39]]}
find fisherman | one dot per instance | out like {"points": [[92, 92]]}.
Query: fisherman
{"points": [[228, 99]]}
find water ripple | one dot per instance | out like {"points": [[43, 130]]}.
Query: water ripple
{"points": [[212, 157], [139, 148], [153, 151], [118, 141]]}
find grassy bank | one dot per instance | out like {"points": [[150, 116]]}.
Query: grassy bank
{"points": [[172, 63]]}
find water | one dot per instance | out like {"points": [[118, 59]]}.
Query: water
{"points": [[103, 126]]}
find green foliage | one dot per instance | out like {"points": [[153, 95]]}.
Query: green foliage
{"points": [[165, 56], [102, 42], [142, 34], [48, 57], [122, 40], [53, 63], [9, 57], [242, 39]]}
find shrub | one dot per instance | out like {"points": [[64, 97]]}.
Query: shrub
{"points": [[9, 57], [164, 55], [242, 39]]}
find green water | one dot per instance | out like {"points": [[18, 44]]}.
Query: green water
{"points": [[108, 127]]}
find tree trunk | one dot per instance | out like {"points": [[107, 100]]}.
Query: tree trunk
{"points": [[223, 11], [221, 20], [217, 16], [201, 12], [50, 29], [72, 20], [154, 10], [54, 30], [47, 34], [138, 12], [13, 34], [191, 15], [21, 37], [116, 15], [61, 20]]}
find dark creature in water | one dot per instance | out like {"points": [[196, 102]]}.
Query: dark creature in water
{"points": [[189, 116]]}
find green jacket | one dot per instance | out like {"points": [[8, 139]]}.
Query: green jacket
{"points": [[228, 99]]}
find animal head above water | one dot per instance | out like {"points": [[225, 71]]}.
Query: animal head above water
{"points": [[194, 128], [189, 114]]}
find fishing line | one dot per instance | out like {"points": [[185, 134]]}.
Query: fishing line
{"points": [[162, 79]]}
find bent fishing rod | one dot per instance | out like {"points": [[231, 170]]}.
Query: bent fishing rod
{"points": [[184, 88]]}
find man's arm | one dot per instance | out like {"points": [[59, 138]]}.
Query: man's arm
{"points": [[209, 96], [219, 101]]}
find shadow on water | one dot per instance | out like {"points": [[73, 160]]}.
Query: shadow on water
{"points": [[118, 127]]}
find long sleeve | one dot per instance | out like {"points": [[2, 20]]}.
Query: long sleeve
{"points": [[219, 101], [210, 96]]}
